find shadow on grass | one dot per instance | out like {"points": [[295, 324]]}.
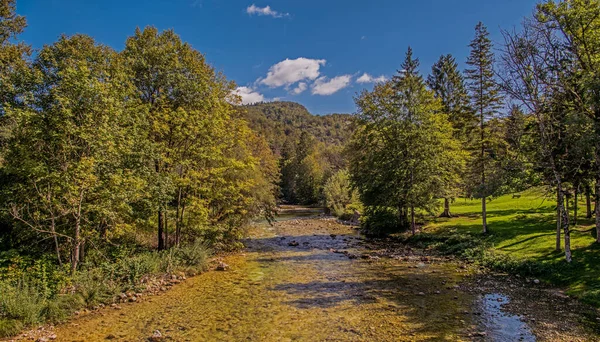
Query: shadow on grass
{"points": [[521, 254]]}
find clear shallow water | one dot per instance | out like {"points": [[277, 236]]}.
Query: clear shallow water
{"points": [[305, 292], [499, 325]]}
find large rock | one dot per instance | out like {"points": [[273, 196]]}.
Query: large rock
{"points": [[222, 266]]}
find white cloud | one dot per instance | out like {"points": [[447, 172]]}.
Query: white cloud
{"points": [[249, 95], [300, 88], [290, 71], [253, 9], [366, 78], [322, 86]]}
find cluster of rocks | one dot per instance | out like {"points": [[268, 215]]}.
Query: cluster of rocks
{"points": [[152, 286], [41, 334], [351, 255]]}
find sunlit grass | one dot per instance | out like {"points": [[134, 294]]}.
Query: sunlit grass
{"points": [[525, 228]]}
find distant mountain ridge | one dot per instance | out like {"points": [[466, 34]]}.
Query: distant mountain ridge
{"points": [[282, 120]]}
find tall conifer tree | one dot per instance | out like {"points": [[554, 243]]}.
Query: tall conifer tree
{"points": [[448, 85], [485, 101]]}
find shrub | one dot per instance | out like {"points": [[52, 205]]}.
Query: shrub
{"points": [[21, 301], [194, 255], [381, 221], [10, 327], [94, 286], [337, 193], [40, 297], [60, 307], [134, 268]]}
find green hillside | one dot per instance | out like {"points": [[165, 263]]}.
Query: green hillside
{"points": [[281, 121]]}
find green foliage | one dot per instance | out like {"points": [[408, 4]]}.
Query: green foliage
{"points": [[381, 221], [403, 153], [305, 167], [67, 180], [22, 301], [449, 87], [280, 122], [340, 199], [10, 327], [14, 68], [486, 144], [101, 151], [51, 294], [194, 255]]}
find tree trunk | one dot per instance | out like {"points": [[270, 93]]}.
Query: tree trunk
{"points": [[483, 197], [484, 214], [588, 202], [181, 219], [413, 226], [446, 212], [575, 204], [178, 220], [597, 209], [566, 205], [76, 245], [161, 241], [565, 225], [166, 230], [56, 245], [558, 221], [82, 251], [77, 239]]}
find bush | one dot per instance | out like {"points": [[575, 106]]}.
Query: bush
{"points": [[10, 327], [194, 255], [94, 286], [381, 221], [41, 297], [60, 307], [22, 301], [132, 269]]}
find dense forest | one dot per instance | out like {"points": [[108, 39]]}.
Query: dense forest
{"points": [[117, 164]]}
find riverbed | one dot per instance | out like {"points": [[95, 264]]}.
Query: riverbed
{"points": [[315, 279]]}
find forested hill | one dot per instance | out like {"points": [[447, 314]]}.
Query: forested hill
{"points": [[281, 121]]}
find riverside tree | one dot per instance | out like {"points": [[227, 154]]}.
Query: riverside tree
{"points": [[576, 23], [202, 161], [403, 150], [67, 152], [485, 100], [448, 86], [14, 68], [538, 73]]}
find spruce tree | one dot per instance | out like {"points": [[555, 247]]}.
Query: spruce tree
{"points": [[403, 151], [485, 101], [448, 85]]}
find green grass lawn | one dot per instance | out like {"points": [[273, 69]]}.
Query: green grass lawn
{"points": [[525, 229]]}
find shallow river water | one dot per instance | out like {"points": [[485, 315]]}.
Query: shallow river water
{"points": [[310, 292]]}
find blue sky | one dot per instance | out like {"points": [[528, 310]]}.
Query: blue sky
{"points": [[329, 45]]}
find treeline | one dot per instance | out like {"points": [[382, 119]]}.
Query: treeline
{"points": [[530, 116], [99, 145]]}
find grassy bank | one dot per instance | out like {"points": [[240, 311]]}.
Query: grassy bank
{"points": [[38, 292], [521, 240]]}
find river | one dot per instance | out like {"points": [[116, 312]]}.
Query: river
{"points": [[314, 279]]}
